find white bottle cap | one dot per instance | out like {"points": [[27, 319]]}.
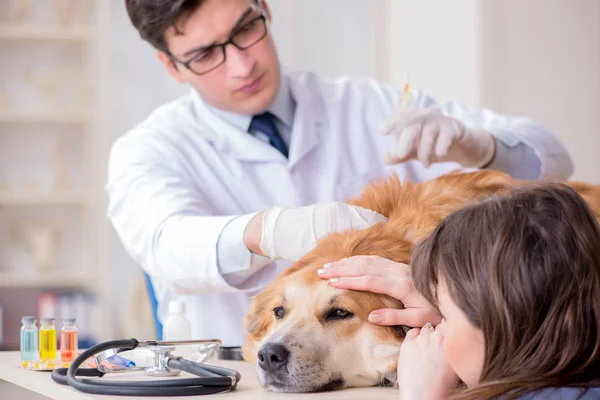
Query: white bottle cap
{"points": [[177, 307]]}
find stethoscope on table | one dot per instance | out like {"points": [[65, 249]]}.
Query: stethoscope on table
{"points": [[209, 379]]}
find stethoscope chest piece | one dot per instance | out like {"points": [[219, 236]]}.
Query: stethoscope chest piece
{"points": [[161, 356]]}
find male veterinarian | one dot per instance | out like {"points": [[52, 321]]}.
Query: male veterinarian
{"points": [[253, 164]]}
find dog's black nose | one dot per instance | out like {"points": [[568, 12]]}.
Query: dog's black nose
{"points": [[272, 356]]}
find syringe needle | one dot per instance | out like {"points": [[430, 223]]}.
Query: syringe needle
{"points": [[406, 98]]}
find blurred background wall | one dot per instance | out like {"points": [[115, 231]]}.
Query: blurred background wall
{"points": [[539, 58]]}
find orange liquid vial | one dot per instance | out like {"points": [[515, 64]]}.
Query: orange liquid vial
{"points": [[68, 340]]}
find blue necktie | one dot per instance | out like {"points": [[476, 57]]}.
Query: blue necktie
{"points": [[265, 123]]}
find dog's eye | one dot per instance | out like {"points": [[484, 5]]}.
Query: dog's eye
{"points": [[338, 313], [279, 312]]}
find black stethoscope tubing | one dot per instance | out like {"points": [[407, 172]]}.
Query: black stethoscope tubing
{"points": [[210, 379]]}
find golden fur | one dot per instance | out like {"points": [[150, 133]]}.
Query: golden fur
{"points": [[328, 353]]}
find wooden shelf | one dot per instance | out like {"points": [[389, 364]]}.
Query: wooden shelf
{"points": [[44, 117], [45, 33], [41, 198], [50, 279]]}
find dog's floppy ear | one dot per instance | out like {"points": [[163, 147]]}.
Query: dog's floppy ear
{"points": [[257, 321], [259, 315]]}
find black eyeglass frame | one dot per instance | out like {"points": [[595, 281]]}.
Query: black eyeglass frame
{"points": [[223, 45]]}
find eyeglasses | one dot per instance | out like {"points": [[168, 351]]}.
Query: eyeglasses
{"points": [[213, 56]]}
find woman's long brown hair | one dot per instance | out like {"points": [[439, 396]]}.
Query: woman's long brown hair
{"points": [[525, 269]]}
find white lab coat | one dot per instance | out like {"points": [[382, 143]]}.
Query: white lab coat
{"points": [[181, 175]]}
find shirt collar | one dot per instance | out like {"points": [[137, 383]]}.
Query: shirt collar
{"points": [[283, 107]]}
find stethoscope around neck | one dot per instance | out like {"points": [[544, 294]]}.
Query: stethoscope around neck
{"points": [[210, 379]]}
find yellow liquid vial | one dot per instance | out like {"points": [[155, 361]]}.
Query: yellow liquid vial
{"points": [[47, 339]]}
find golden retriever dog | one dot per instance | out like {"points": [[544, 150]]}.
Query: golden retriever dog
{"points": [[305, 335]]}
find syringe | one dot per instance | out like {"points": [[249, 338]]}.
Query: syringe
{"points": [[406, 97]]}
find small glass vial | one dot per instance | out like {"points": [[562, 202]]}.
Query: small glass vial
{"points": [[29, 339], [47, 339], [68, 340]]}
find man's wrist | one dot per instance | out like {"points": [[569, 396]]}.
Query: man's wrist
{"points": [[253, 234], [491, 152]]}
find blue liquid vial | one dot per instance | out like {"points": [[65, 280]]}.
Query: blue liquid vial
{"points": [[29, 339]]}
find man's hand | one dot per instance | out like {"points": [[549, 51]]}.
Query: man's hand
{"points": [[380, 275], [430, 136], [290, 233]]}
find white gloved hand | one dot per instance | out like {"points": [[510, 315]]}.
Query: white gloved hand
{"points": [[290, 233], [430, 136]]}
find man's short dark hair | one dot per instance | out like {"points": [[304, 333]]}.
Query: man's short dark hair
{"points": [[152, 18]]}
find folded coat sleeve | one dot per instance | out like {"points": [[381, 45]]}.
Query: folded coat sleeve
{"points": [[524, 148], [165, 224]]}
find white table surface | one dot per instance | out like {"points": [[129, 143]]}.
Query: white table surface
{"points": [[248, 388]]}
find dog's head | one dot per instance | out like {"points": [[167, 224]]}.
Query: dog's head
{"points": [[305, 335]]}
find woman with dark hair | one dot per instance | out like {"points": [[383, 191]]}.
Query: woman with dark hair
{"points": [[517, 281]]}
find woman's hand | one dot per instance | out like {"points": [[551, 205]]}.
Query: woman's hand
{"points": [[380, 275], [423, 372]]}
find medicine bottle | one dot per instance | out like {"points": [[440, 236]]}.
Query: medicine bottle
{"points": [[176, 325], [47, 339], [68, 340], [29, 339]]}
